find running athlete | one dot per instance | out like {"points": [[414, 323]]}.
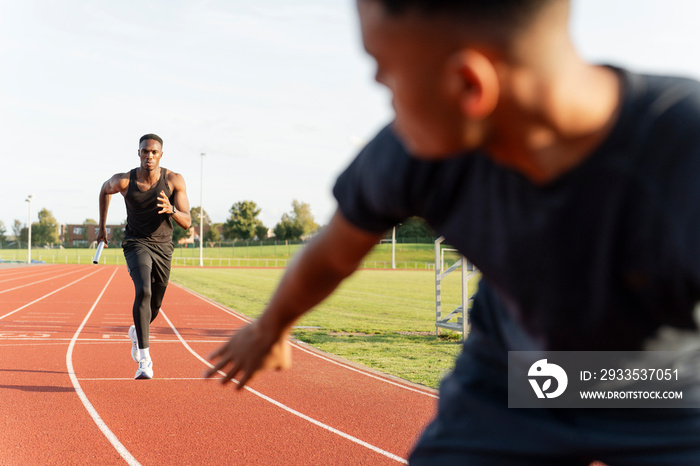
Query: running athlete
{"points": [[154, 196], [572, 186]]}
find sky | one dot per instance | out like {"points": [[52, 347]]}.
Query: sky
{"points": [[278, 95]]}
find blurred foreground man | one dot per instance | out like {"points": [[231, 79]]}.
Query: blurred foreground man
{"points": [[573, 187]]}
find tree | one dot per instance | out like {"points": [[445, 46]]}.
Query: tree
{"points": [[297, 223], [117, 235], [261, 232], [414, 227], [303, 217], [194, 214], [90, 221], [2, 232], [179, 233], [287, 228], [46, 231], [243, 220], [213, 234], [17, 230]]}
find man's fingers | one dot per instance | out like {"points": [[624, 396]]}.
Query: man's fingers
{"points": [[243, 380], [231, 374]]}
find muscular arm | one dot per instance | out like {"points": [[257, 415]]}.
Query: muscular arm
{"points": [[118, 183], [332, 256], [180, 201]]}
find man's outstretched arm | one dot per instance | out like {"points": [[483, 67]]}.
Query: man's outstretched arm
{"points": [[329, 258]]}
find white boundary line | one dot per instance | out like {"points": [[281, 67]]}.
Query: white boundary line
{"points": [[312, 353], [121, 449], [21, 275], [47, 295], [287, 408], [39, 281]]}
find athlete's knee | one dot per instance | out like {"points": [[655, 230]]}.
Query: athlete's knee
{"points": [[144, 293]]}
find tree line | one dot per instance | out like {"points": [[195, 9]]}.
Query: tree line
{"points": [[242, 224]]}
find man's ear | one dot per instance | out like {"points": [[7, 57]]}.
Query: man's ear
{"points": [[479, 86]]}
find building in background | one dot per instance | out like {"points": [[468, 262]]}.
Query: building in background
{"points": [[82, 236]]}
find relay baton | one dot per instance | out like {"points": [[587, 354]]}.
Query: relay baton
{"points": [[98, 253]]}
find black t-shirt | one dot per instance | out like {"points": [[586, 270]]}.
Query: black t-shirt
{"points": [[599, 259]]}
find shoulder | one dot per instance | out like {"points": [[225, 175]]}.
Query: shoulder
{"points": [[121, 179], [666, 104], [660, 126], [176, 180]]}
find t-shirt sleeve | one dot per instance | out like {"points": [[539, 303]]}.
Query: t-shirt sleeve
{"points": [[372, 192]]}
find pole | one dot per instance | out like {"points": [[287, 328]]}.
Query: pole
{"points": [[201, 214], [29, 229], [393, 248]]}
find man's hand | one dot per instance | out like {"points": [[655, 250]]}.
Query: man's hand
{"points": [[164, 203], [248, 351], [102, 236]]}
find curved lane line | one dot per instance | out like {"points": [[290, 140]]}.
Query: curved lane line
{"points": [[47, 295], [359, 371], [121, 449], [287, 408]]}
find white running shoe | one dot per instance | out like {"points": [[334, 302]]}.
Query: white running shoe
{"points": [[134, 343], [145, 370]]}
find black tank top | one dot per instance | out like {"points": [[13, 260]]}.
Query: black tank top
{"points": [[142, 218]]}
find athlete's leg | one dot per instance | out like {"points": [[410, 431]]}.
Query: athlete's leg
{"points": [[139, 262], [162, 256]]}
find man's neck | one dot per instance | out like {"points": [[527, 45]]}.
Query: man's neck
{"points": [[558, 121], [146, 176]]}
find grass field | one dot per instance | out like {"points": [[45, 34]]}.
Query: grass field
{"points": [[408, 256], [382, 319]]}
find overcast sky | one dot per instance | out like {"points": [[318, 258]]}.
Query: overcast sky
{"points": [[278, 94]]}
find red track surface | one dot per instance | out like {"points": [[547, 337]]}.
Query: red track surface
{"points": [[68, 395]]}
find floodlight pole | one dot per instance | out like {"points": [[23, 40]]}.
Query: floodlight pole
{"points": [[393, 248], [29, 228], [201, 213]]}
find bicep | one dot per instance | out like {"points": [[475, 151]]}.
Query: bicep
{"points": [[180, 193]]}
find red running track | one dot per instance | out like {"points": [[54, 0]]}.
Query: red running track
{"points": [[68, 396]]}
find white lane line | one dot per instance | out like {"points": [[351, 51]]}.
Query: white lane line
{"points": [[47, 295], [20, 276], [121, 449], [131, 379], [313, 353], [38, 319], [38, 281], [287, 408], [121, 340]]}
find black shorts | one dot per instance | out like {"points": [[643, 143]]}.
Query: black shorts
{"points": [[156, 256]]}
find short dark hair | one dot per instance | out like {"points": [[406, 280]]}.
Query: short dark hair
{"points": [[155, 137], [503, 15]]}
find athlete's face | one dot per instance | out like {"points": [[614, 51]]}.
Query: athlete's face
{"points": [[413, 62], [150, 153]]}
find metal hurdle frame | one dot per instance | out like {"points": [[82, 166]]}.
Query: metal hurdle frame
{"points": [[461, 312]]}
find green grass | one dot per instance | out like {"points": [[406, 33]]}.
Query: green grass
{"points": [[408, 256], [382, 319]]}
